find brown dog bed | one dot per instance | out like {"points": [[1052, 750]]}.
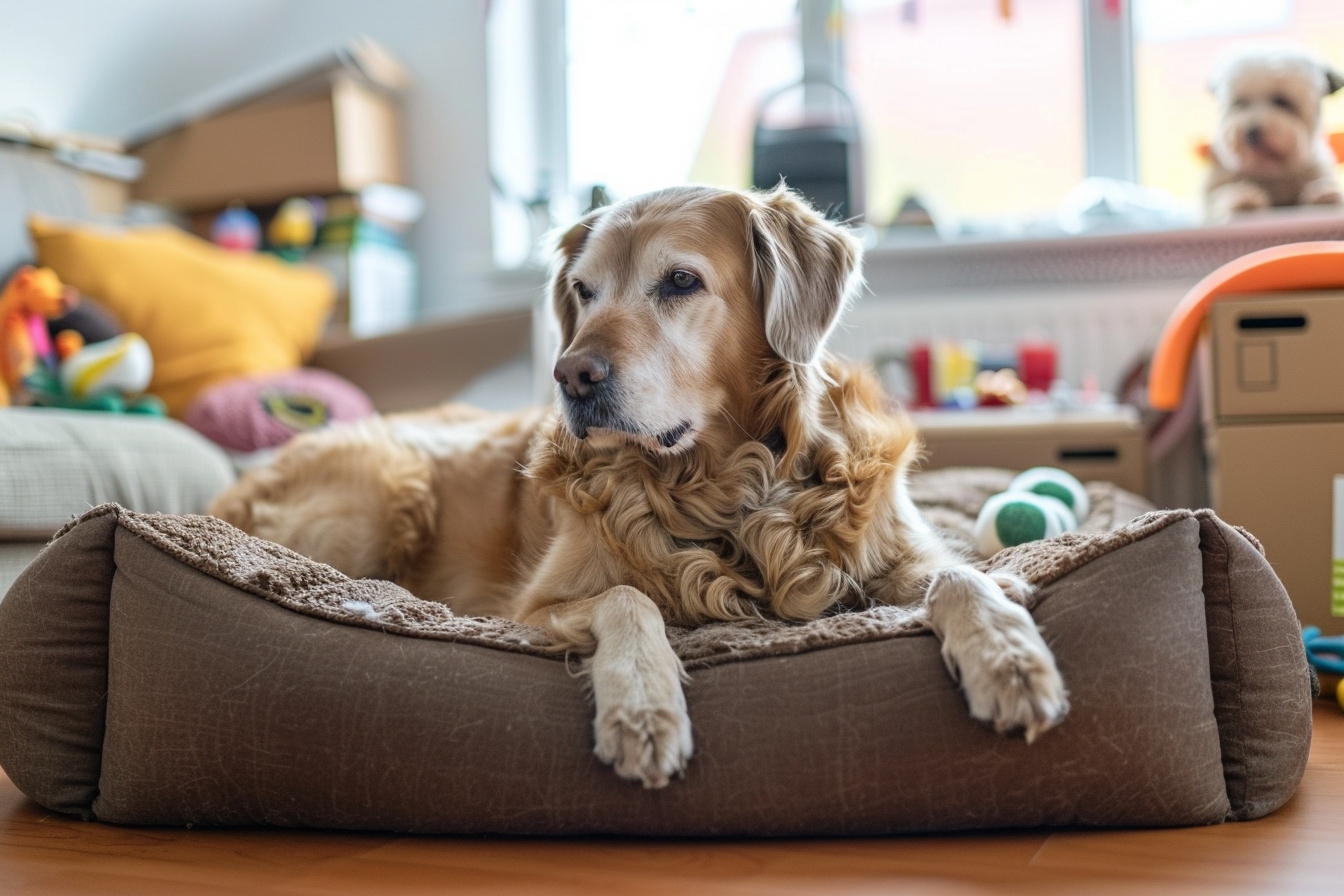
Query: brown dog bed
{"points": [[172, 670]]}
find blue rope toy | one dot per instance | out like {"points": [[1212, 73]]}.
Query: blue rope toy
{"points": [[1326, 654]]}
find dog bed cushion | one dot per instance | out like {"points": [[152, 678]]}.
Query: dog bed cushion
{"points": [[159, 669]]}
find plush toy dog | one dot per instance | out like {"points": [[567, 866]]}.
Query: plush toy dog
{"points": [[1269, 148]]}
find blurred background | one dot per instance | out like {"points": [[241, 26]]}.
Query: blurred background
{"points": [[988, 114]]}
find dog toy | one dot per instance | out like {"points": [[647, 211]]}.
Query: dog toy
{"points": [[293, 228], [236, 229], [1040, 503], [1270, 148], [1326, 654], [111, 375], [32, 296]]}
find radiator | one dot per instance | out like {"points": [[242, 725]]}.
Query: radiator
{"points": [[1098, 331]]}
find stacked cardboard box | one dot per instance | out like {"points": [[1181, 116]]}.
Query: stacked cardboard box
{"points": [[1274, 414], [328, 126], [1097, 444], [318, 125]]}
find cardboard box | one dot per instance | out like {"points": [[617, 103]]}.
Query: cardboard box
{"points": [[1274, 414], [1103, 444], [327, 125], [1278, 355], [425, 365]]}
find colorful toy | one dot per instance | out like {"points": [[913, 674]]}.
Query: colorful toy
{"points": [[32, 296], [64, 372], [1326, 654], [997, 388], [111, 376], [237, 230], [1040, 503], [293, 228]]}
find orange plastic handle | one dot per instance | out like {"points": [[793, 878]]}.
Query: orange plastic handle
{"points": [[1277, 269]]}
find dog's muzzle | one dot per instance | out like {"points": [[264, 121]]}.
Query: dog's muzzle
{"points": [[591, 399], [589, 393]]}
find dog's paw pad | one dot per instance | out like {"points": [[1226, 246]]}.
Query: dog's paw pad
{"points": [[644, 745]]}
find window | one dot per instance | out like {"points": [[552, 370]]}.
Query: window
{"points": [[974, 112], [990, 112]]}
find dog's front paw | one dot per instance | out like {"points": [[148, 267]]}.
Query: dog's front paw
{"points": [[1323, 191], [1238, 196], [1009, 677], [645, 744], [993, 649], [641, 727]]}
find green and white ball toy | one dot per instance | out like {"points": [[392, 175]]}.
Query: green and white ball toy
{"points": [[1041, 503], [1055, 483]]}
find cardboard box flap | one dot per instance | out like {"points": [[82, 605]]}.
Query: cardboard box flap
{"points": [[362, 59]]}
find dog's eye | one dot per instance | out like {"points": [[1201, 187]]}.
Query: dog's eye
{"points": [[679, 283], [585, 294], [1282, 102]]}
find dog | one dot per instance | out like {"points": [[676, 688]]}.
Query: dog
{"points": [[1269, 148], [706, 461]]}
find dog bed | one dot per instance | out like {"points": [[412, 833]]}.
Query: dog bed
{"points": [[159, 669]]}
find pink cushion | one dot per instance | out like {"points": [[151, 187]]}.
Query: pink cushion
{"points": [[251, 413]]}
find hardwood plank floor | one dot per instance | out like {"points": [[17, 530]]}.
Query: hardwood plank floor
{"points": [[1299, 849]]}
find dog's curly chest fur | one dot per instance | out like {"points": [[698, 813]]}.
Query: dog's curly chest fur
{"points": [[789, 533]]}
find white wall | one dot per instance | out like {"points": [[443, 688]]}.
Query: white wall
{"points": [[103, 67]]}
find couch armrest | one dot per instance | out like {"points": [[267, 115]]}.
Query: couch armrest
{"points": [[428, 363]]}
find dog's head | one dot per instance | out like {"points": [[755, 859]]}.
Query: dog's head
{"points": [[1270, 103], [673, 306]]}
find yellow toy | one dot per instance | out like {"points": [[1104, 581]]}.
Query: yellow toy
{"points": [[293, 228], [32, 296]]}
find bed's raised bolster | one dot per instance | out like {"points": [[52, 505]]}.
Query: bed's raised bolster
{"points": [[169, 670], [53, 667], [1259, 672]]}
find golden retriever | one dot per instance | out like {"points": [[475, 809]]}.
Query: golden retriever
{"points": [[706, 461]]}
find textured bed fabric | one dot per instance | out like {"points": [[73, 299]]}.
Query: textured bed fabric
{"points": [[321, 725], [247, 685], [56, 464], [53, 669]]}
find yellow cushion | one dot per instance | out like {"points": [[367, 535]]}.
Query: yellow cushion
{"points": [[207, 314]]}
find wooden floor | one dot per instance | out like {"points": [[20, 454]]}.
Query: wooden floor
{"points": [[1300, 848]]}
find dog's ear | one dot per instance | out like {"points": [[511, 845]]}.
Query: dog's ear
{"points": [[565, 249], [806, 270], [1334, 80]]}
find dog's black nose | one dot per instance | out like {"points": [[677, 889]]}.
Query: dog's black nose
{"points": [[579, 374], [1255, 135]]}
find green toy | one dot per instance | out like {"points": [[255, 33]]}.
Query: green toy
{"points": [[1040, 503]]}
